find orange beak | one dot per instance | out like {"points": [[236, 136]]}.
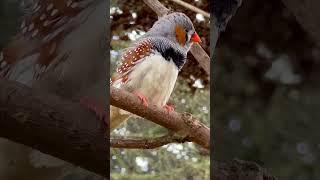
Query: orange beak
{"points": [[195, 38]]}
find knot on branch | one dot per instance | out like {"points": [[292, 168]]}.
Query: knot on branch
{"points": [[187, 118], [191, 121]]}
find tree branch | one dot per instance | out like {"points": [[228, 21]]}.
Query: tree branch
{"points": [[53, 126], [184, 124], [196, 50], [157, 7], [134, 143], [192, 8]]}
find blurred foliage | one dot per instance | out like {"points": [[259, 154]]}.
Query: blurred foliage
{"points": [[266, 95], [191, 94]]}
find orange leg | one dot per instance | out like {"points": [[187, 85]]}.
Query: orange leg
{"points": [[169, 108], [95, 107], [142, 98]]}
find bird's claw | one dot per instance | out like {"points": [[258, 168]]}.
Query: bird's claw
{"points": [[142, 98], [169, 108]]}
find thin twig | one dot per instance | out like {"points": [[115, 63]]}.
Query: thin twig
{"points": [[157, 7], [192, 8], [151, 143]]}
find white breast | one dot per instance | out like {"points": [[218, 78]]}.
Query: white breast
{"points": [[155, 78]]}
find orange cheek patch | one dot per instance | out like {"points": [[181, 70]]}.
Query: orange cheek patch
{"points": [[181, 35]]}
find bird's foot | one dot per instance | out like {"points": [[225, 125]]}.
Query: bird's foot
{"points": [[93, 106], [169, 107], [142, 98]]}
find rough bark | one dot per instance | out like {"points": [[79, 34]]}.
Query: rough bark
{"points": [[133, 143]]}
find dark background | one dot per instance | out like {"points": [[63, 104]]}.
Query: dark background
{"points": [[266, 92]]}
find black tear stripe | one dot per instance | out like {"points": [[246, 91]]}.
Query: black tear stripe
{"points": [[170, 53]]}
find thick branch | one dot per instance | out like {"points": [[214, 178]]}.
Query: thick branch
{"points": [[134, 143], [54, 126], [184, 124], [199, 54]]}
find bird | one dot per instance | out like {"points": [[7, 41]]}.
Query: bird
{"points": [[52, 51], [149, 67]]}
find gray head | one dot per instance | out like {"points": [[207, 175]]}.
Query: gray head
{"points": [[178, 28]]}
